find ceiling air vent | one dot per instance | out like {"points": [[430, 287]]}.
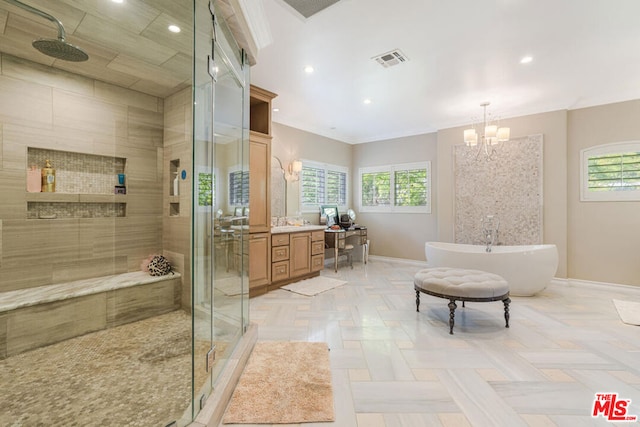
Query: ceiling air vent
{"points": [[392, 58], [308, 8]]}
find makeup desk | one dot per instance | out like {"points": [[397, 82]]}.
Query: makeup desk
{"points": [[336, 240]]}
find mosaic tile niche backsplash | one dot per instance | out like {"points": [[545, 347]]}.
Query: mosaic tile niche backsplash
{"points": [[508, 187], [79, 173]]}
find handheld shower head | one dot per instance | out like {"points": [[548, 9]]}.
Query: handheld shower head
{"points": [[57, 48]]}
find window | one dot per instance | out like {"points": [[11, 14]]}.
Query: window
{"points": [[239, 188], [322, 184], [396, 188], [611, 172], [206, 188]]}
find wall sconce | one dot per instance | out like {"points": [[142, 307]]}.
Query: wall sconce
{"points": [[293, 171]]}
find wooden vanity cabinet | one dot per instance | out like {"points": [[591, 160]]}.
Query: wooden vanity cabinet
{"points": [[259, 183], [317, 250], [279, 257], [300, 262], [259, 220], [259, 261], [296, 256]]}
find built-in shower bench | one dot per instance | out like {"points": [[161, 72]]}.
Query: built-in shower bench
{"points": [[34, 317]]}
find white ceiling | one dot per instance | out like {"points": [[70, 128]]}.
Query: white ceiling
{"points": [[462, 53]]}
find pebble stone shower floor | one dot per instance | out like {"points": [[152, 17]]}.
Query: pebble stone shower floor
{"points": [[132, 375]]}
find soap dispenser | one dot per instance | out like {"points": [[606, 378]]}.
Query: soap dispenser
{"points": [[48, 178]]}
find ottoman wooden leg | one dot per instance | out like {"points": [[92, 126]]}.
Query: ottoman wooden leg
{"points": [[506, 311], [452, 311], [418, 301]]}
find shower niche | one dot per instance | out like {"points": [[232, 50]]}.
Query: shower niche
{"points": [[174, 187], [86, 186]]}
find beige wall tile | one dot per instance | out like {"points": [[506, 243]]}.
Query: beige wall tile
{"points": [[89, 114], [28, 71], [25, 103], [72, 113], [13, 189], [3, 23], [3, 335], [120, 95], [102, 31], [139, 302], [44, 324]]}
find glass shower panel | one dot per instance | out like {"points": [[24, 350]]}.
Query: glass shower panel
{"points": [[220, 284], [202, 205], [231, 202]]}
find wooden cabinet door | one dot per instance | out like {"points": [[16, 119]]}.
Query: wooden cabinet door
{"points": [[300, 254], [259, 260], [259, 183]]}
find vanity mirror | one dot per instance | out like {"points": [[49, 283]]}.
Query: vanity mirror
{"points": [[330, 212], [278, 189]]}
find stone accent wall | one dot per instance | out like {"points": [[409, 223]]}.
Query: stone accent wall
{"points": [[508, 187]]}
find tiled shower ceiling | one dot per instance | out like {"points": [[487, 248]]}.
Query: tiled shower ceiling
{"points": [[308, 8]]}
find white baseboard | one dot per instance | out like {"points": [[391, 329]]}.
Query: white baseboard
{"points": [[398, 260], [593, 284]]}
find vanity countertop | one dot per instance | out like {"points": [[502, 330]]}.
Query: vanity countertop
{"points": [[296, 228]]}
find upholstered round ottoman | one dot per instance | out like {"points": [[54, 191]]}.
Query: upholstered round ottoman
{"points": [[457, 284]]}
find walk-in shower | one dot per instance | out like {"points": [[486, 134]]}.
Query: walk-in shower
{"points": [[145, 142]]}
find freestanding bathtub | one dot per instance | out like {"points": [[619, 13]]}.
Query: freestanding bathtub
{"points": [[527, 269]]}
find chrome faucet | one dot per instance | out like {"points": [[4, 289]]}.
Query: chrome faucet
{"points": [[490, 225]]}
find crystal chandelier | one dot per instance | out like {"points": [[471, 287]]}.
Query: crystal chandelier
{"points": [[490, 137]]}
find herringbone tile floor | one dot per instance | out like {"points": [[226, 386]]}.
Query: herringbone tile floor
{"points": [[395, 367]]}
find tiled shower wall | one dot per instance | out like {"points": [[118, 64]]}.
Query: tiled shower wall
{"points": [[50, 109], [508, 187]]}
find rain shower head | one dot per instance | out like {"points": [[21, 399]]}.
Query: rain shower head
{"points": [[57, 48]]}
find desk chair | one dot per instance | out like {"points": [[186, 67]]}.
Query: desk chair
{"points": [[348, 252]]}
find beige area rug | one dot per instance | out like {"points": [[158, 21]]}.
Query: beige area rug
{"points": [[283, 382], [313, 286], [628, 311]]}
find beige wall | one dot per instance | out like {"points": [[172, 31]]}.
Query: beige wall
{"points": [[553, 127], [53, 109], [398, 235], [596, 241], [604, 236]]}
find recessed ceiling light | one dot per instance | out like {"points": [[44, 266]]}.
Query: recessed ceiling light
{"points": [[276, 110], [174, 28], [118, 1], [526, 59], [367, 101], [308, 69]]}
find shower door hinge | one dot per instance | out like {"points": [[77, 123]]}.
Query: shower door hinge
{"points": [[212, 69], [211, 357], [203, 400]]}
